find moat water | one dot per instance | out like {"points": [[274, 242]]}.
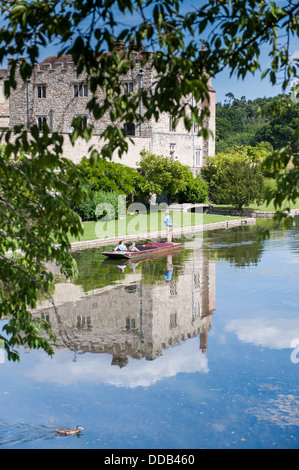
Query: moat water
{"points": [[199, 350]]}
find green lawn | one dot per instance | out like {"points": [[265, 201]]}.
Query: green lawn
{"points": [[263, 207], [152, 222], [144, 223]]}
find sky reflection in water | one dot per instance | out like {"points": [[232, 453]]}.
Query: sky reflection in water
{"points": [[207, 360]]}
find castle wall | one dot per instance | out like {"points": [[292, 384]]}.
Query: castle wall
{"points": [[80, 149], [179, 145], [4, 102], [56, 95]]}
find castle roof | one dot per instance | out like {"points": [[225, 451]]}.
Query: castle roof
{"points": [[53, 60]]}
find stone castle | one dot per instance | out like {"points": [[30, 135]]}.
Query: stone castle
{"points": [[55, 94]]}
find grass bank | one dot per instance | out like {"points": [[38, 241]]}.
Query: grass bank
{"points": [[262, 207], [270, 183], [144, 223]]}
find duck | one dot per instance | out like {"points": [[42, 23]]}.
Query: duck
{"points": [[69, 432]]}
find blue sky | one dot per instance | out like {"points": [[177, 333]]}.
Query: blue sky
{"points": [[252, 86]]}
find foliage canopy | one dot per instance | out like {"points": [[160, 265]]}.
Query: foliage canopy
{"points": [[110, 176], [242, 122], [166, 176], [35, 221], [239, 153]]}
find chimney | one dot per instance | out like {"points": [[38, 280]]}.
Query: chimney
{"points": [[135, 48], [119, 45]]}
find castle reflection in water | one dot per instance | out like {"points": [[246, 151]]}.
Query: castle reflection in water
{"points": [[132, 318]]}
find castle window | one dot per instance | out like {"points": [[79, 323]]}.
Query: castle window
{"points": [[128, 87], [45, 317], [41, 120], [197, 159], [196, 311], [173, 289], [83, 321], [196, 280], [129, 129], [84, 119], [173, 320], [171, 124], [80, 89], [172, 150], [130, 323], [41, 91]]}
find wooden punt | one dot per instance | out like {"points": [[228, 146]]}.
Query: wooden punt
{"points": [[145, 251]]}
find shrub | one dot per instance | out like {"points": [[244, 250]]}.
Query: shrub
{"points": [[196, 191], [240, 184], [100, 205], [165, 176], [85, 209], [217, 165], [116, 177], [221, 161], [108, 205]]}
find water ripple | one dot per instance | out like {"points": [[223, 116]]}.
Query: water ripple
{"points": [[20, 432]]}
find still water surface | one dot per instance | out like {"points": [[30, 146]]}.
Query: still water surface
{"points": [[195, 350]]}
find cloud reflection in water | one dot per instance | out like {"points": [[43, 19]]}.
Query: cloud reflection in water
{"points": [[274, 334], [97, 368]]}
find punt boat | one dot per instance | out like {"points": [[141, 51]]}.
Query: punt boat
{"points": [[145, 251]]}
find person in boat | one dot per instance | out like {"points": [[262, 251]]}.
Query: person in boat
{"points": [[121, 246], [133, 247], [169, 226]]}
